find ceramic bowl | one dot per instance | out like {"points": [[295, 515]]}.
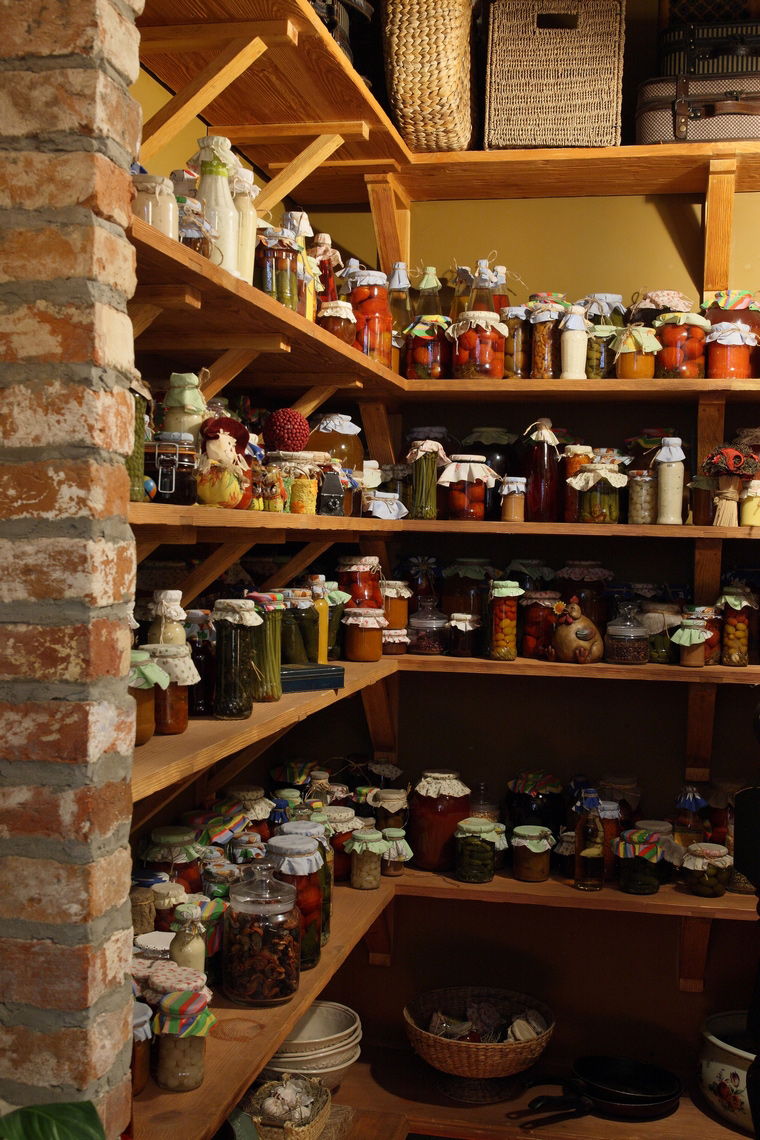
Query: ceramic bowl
{"points": [[323, 1026], [319, 1059], [723, 1068], [330, 1078]]}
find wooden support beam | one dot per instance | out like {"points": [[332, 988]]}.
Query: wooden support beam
{"points": [[142, 316], [699, 731], [226, 368], [711, 417], [390, 216], [144, 547], [169, 296], [210, 569], [297, 564], [378, 432], [196, 95], [719, 217], [266, 134], [222, 776], [381, 710], [297, 170], [174, 535], [379, 937], [692, 954], [707, 564], [350, 166], [168, 39], [313, 399], [216, 342], [145, 809]]}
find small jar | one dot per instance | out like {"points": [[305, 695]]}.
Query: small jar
{"points": [[337, 318], [184, 410], [396, 597], [662, 620], [343, 821], [168, 625], [395, 642], [464, 635], [275, 266], [627, 640], [512, 494], [517, 350], [374, 322], [391, 807], [713, 622], [428, 630], [172, 703], [366, 848], [234, 620], [181, 1050], [261, 909], [436, 806], [144, 678], [360, 577], [188, 946], [141, 1037], [364, 634], [475, 841], [707, 869], [539, 618], [478, 339], [642, 498], [398, 853], [531, 853], [574, 458], [297, 859], [639, 854], [682, 356], [702, 490], [166, 897], [466, 480], [257, 807], [729, 351], [610, 815], [691, 639], [502, 620], [155, 203], [749, 506]]}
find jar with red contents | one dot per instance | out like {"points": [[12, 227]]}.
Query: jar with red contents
{"points": [[172, 703], [374, 322], [713, 619], [344, 822], [466, 479], [682, 336], [360, 577], [297, 860], [363, 640], [720, 803], [328, 260], [737, 306], [437, 804], [174, 850], [501, 630], [572, 460], [478, 345], [539, 618], [337, 318], [428, 350], [729, 349], [166, 896], [257, 808]]}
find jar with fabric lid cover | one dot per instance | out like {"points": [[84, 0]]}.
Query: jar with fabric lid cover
{"points": [[598, 486], [168, 625], [338, 436], [425, 457], [188, 947], [501, 629], [730, 349], [539, 617], [534, 798], [545, 312], [437, 804], [262, 913], [573, 459], [589, 843], [428, 350], [574, 342], [337, 317], [199, 638], [275, 266], [529, 573], [737, 306], [636, 349], [464, 635], [185, 407], [395, 642], [266, 642], [234, 620], [672, 852], [391, 807], [316, 830], [707, 869], [609, 813], [475, 841], [517, 343], [398, 852], [397, 480], [465, 585], [343, 821], [749, 503], [366, 848], [360, 577], [669, 462], [144, 676], [690, 811], [374, 322], [662, 620], [653, 304], [642, 497], [638, 853], [166, 897], [155, 203], [737, 606], [396, 595], [531, 853], [141, 1038], [172, 703], [497, 446], [721, 804], [512, 495], [478, 339], [467, 478], [586, 581], [690, 639], [257, 807], [297, 859], [174, 850], [682, 336], [181, 1027], [364, 634]]}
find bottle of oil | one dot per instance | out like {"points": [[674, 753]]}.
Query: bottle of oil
{"points": [[481, 294], [589, 844]]}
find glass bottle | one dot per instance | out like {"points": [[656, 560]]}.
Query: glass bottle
{"points": [[327, 260], [155, 203], [499, 290], [297, 860], [401, 309], [188, 946], [218, 206], [670, 480], [574, 339], [481, 292], [244, 195], [234, 620], [201, 695], [322, 607], [589, 844], [438, 803], [263, 909], [541, 473], [462, 288], [475, 842], [612, 825], [428, 630]]}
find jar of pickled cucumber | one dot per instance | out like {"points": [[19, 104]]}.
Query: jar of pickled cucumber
{"points": [[706, 869], [517, 351], [662, 620], [475, 841], [639, 853], [598, 486], [275, 266], [600, 355], [502, 620]]}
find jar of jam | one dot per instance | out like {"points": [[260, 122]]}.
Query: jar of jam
{"points": [[398, 852], [586, 581], [535, 798], [475, 842], [467, 478], [737, 306], [428, 350], [539, 618], [396, 595], [374, 321], [690, 638], [297, 859], [464, 635], [572, 461], [682, 336], [171, 463], [391, 807], [172, 703], [729, 351], [395, 642], [438, 803], [478, 338], [343, 821], [465, 586], [636, 348], [639, 854], [366, 848], [428, 630], [531, 853], [174, 850], [337, 317], [364, 634], [502, 620], [517, 350], [360, 577]]}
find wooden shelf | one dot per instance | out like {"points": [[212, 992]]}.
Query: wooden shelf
{"points": [[165, 760], [618, 391], [601, 671], [244, 1040]]}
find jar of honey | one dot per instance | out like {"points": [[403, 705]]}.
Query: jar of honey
{"points": [[364, 634]]}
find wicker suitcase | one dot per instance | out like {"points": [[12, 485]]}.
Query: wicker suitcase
{"points": [[709, 49], [554, 75], [707, 108], [715, 11]]}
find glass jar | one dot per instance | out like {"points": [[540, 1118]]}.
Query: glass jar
{"points": [[534, 798], [731, 351], [642, 498], [707, 869], [363, 634], [428, 630], [713, 622], [234, 620], [360, 577], [646, 308], [428, 349], [502, 620], [297, 860], [639, 854], [721, 804], [475, 842], [636, 349], [374, 322], [167, 896], [188, 946], [261, 959], [316, 830], [168, 625], [438, 803], [398, 852], [180, 1054], [184, 410], [669, 462], [703, 489], [546, 359], [424, 458], [682, 356], [464, 635], [600, 356], [343, 821], [155, 203], [539, 618], [497, 446], [662, 619], [541, 471], [172, 710], [466, 479], [258, 809], [337, 318], [144, 678], [366, 848], [610, 815], [266, 677], [141, 1036], [391, 807], [478, 338], [531, 852], [396, 595], [689, 823], [337, 436], [465, 586], [691, 639], [589, 844], [749, 506], [512, 495], [203, 658], [736, 619], [600, 503], [171, 462], [517, 343], [574, 337], [395, 642], [626, 641], [275, 266], [624, 790], [174, 850], [574, 458]]}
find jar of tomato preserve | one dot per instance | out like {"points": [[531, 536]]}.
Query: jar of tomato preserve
{"points": [[729, 349], [172, 703], [466, 478], [337, 317], [298, 860], [174, 850], [360, 577], [364, 634], [737, 306], [478, 339], [396, 595], [374, 322], [437, 804], [636, 348], [428, 350], [539, 620], [344, 821], [682, 336]]}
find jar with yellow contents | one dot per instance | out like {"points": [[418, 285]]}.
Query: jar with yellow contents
{"points": [[736, 605], [502, 620]]}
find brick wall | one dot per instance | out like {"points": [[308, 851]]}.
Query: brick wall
{"points": [[68, 133]]}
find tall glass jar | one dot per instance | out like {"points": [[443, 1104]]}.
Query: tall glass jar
{"points": [[168, 625], [573, 459], [478, 338], [465, 585], [737, 608], [497, 446], [234, 620], [267, 653], [545, 312], [328, 260], [155, 203], [707, 869], [374, 322], [541, 460], [574, 340], [642, 497], [360, 577], [462, 287], [438, 803], [612, 825], [216, 161], [502, 620], [589, 844], [538, 619], [181, 1027], [401, 309], [531, 853], [297, 859], [315, 830], [670, 480], [517, 345], [275, 268], [682, 336], [600, 357], [366, 848], [475, 842], [425, 457], [467, 479], [172, 703], [689, 824], [244, 194], [262, 929], [203, 657], [184, 408], [257, 807], [534, 798], [428, 630]]}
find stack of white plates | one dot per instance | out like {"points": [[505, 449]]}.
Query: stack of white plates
{"points": [[324, 1044]]}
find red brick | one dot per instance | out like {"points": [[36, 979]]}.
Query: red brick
{"points": [[93, 28], [64, 488], [68, 1057], [78, 814], [63, 893], [101, 573], [115, 1109], [92, 334], [65, 732], [73, 251], [64, 653], [32, 181], [62, 413], [49, 976]]}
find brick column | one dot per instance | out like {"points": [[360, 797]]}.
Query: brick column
{"points": [[68, 133]]}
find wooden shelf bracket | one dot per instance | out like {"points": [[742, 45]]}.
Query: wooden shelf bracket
{"points": [[390, 207], [692, 954], [379, 937], [699, 732], [226, 368], [209, 570], [298, 563], [719, 217], [296, 171], [313, 399], [266, 134], [381, 710]]}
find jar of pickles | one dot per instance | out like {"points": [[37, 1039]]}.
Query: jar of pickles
{"points": [[428, 630], [297, 859], [517, 344], [531, 852], [374, 322], [398, 852], [662, 620], [234, 620], [396, 595], [729, 351], [598, 486], [638, 853], [464, 635], [572, 461], [600, 356], [275, 266], [337, 318], [425, 457], [267, 650], [475, 841], [436, 806], [466, 478], [360, 577], [262, 915], [539, 618], [682, 336], [366, 848], [364, 634], [502, 620], [344, 821], [545, 312], [736, 606], [636, 349], [428, 350], [706, 869], [478, 338]]}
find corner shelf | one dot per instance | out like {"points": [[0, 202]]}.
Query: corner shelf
{"points": [[600, 671]]}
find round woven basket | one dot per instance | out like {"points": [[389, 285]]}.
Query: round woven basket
{"points": [[269, 1129], [466, 1058]]}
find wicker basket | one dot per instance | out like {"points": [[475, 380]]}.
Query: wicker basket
{"points": [[428, 71], [269, 1129], [554, 75], [465, 1058]]}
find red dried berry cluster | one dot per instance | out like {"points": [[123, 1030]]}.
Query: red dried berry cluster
{"points": [[286, 430]]}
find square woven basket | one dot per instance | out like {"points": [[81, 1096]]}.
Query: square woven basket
{"points": [[555, 70]]}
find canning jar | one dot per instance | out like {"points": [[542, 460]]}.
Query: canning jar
{"points": [[682, 336], [337, 317], [655, 303], [464, 635], [184, 408], [713, 620], [313, 829], [531, 850], [428, 349], [168, 624], [635, 349], [428, 630], [337, 436], [395, 642], [539, 617], [662, 619], [502, 620], [172, 704], [261, 959], [475, 843], [517, 343], [144, 677], [466, 478], [155, 203], [438, 803], [541, 463], [275, 266], [721, 803], [691, 639], [478, 339], [465, 585], [749, 508], [703, 489], [398, 852], [600, 355], [729, 352], [366, 848], [181, 1027], [203, 657], [374, 322], [610, 815], [257, 808], [297, 859], [585, 581], [545, 312], [234, 619], [343, 821], [574, 341], [364, 634], [360, 577], [174, 850], [670, 480], [642, 497], [534, 798], [170, 463], [266, 678], [639, 854], [166, 897], [188, 946], [391, 807], [571, 463], [626, 641], [425, 457], [396, 595], [706, 869], [598, 486], [589, 844], [689, 822], [737, 606], [141, 1038], [512, 495]]}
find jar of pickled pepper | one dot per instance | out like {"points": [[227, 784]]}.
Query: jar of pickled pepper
{"points": [[478, 338], [502, 620], [517, 350], [682, 336], [436, 806], [539, 620], [467, 478], [275, 266], [428, 349], [337, 317], [374, 322], [475, 841]]}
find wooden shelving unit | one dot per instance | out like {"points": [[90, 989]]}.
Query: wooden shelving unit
{"points": [[601, 671]]}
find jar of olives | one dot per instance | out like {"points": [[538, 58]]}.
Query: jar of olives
{"points": [[517, 353], [475, 841], [639, 853], [706, 869]]}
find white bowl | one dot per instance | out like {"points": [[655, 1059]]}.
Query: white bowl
{"points": [[330, 1078], [723, 1068], [325, 1024], [319, 1059]]}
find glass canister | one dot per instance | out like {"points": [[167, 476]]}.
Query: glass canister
{"points": [[374, 322], [466, 478], [478, 339], [702, 490], [316, 830], [184, 406], [155, 203], [626, 641], [517, 343], [682, 336], [586, 581], [512, 495], [344, 821], [261, 959], [174, 850], [573, 459], [364, 634], [172, 703], [396, 595], [635, 349], [729, 351], [706, 869], [297, 859], [749, 503], [171, 465], [691, 640], [502, 620], [531, 852], [234, 619], [428, 349], [713, 620], [337, 318], [428, 630], [366, 848], [465, 585], [662, 619], [598, 486], [737, 608], [337, 435], [181, 1027], [425, 457], [438, 803], [539, 617], [642, 497], [398, 852], [475, 843], [541, 471], [275, 266], [545, 312], [638, 853], [534, 799], [589, 844], [464, 635], [360, 577], [144, 677], [168, 625]]}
